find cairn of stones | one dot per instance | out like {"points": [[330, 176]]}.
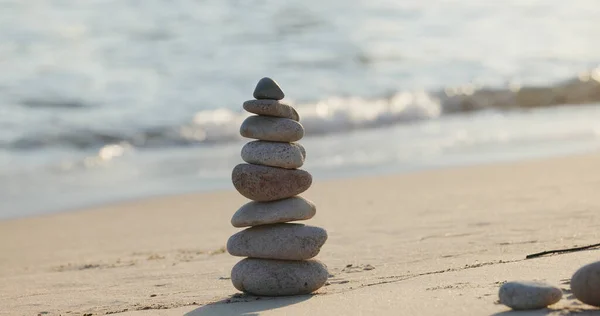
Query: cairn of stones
{"points": [[279, 254]]}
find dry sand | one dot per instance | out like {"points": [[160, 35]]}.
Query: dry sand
{"points": [[430, 243]]}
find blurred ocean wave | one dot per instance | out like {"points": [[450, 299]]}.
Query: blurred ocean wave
{"points": [[329, 116]]}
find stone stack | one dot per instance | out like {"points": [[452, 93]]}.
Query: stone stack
{"points": [[279, 254]]}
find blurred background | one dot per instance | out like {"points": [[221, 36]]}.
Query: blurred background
{"points": [[104, 100]]}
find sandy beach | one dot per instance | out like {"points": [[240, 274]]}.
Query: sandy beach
{"points": [[442, 143], [430, 243]]}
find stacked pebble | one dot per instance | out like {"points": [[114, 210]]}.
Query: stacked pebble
{"points": [[278, 253]]}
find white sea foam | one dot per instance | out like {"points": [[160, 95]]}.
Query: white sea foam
{"points": [[324, 117], [339, 114], [328, 116]]}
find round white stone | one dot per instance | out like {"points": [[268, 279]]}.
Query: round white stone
{"points": [[524, 295], [278, 241], [274, 154], [585, 284], [264, 277], [275, 129], [281, 211]]}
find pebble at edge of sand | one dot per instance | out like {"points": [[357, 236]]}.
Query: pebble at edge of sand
{"points": [[585, 284], [526, 295]]}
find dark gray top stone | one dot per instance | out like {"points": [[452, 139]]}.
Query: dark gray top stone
{"points": [[267, 88]]}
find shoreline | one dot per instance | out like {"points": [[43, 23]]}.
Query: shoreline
{"points": [[426, 242], [453, 141], [361, 173]]}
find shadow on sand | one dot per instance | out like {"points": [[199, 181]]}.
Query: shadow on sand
{"points": [[246, 305], [550, 312]]}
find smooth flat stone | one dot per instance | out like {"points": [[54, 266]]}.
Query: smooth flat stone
{"points": [[525, 295], [278, 241], [267, 88], [282, 211], [274, 154], [263, 183], [264, 277], [270, 128], [585, 284], [271, 108]]}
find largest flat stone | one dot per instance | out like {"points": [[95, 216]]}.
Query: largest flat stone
{"points": [[263, 183], [270, 128], [278, 241], [525, 295], [265, 277]]}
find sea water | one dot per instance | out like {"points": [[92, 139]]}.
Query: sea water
{"points": [[109, 100]]}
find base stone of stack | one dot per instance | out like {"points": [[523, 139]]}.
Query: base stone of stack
{"points": [[263, 183], [264, 277], [281, 211], [278, 241], [274, 154], [275, 129]]}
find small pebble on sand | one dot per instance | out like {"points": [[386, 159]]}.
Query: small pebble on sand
{"points": [[525, 295]]}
